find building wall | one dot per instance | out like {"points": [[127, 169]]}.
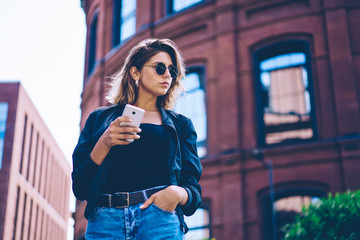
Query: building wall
{"points": [[223, 36], [36, 173]]}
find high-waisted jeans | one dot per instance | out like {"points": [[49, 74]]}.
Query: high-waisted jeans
{"points": [[133, 223]]}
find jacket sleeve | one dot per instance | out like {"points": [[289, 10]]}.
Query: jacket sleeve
{"points": [[191, 169], [84, 168]]}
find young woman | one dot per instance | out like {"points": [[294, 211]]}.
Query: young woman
{"points": [[142, 189]]}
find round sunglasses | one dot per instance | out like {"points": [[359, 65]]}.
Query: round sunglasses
{"points": [[161, 69]]}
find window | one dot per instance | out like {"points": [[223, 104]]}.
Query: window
{"points": [[3, 118], [124, 20], [287, 208], [92, 44], [23, 144], [30, 216], [23, 216], [30, 148], [287, 205], [36, 220], [192, 104], [199, 224], [16, 212], [284, 93], [179, 5]]}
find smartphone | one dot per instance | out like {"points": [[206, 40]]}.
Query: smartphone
{"points": [[136, 114]]}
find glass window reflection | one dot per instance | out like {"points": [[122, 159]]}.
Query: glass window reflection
{"points": [[3, 118], [287, 208], [128, 19], [179, 5], [192, 105], [285, 98], [199, 225]]}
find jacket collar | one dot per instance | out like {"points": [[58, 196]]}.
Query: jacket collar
{"points": [[166, 118]]}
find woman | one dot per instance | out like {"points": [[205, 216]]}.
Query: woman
{"points": [[139, 190]]}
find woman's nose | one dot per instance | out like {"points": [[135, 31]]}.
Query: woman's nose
{"points": [[167, 73]]}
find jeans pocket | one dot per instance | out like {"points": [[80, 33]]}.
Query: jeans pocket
{"points": [[94, 214], [162, 210]]}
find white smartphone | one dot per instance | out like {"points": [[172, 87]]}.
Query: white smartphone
{"points": [[136, 114]]}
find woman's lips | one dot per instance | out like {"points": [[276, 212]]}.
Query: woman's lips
{"points": [[165, 84]]}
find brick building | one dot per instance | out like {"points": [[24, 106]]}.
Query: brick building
{"points": [[276, 85], [34, 173]]}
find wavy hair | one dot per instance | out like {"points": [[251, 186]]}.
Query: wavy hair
{"points": [[122, 86]]}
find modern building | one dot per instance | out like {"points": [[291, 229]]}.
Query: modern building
{"points": [[273, 90], [34, 173]]}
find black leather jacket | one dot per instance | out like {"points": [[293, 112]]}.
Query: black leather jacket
{"points": [[183, 162]]}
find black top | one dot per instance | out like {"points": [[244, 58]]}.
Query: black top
{"points": [[141, 164], [183, 162]]}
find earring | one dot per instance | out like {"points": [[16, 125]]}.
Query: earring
{"points": [[137, 83]]}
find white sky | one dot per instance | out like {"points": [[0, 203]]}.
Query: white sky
{"points": [[42, 44]]}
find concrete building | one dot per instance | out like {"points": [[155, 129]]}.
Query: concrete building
{"points": [[277, 91], [34, 173]]}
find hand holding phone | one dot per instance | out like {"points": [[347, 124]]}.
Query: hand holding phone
{"points": [[136, 114]]}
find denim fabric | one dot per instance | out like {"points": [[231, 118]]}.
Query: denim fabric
{"points": [[133, 223]]}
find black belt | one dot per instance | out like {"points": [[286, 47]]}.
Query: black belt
{"points": [[125, 199]]}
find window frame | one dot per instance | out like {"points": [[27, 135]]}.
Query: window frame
{"points": [[266, 208], [200, 70], [205, 204], [117, 22], [93, 42], [273, 50], [170, 3], [5, 114]]}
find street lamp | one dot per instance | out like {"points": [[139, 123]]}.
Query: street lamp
{"points": [[258, 155]]}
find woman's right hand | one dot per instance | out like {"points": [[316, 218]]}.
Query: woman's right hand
{"points": [[113, 135], [116, 134]]}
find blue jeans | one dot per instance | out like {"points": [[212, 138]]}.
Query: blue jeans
{"points": [[133, 223]]}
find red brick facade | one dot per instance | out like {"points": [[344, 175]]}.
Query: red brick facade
{"points": [[223, 37], [35, 175]]}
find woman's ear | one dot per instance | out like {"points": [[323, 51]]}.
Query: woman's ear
{"points": [[135, 74]]}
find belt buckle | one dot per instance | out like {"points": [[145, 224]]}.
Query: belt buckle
{"points": [[127, 199]]}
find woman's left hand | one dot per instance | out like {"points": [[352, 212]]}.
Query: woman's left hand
{"points": [[167, 199]]}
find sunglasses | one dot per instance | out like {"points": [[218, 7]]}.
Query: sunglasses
{"points": [[161, 69]]}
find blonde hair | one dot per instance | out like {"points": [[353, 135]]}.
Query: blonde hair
{"points": [[122, 86]]}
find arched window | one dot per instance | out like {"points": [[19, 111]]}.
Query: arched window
{"points": [[92, 42], [288, 207], [288, 203], [124, 20], [175, 6], [192, 104], [284, 93]]}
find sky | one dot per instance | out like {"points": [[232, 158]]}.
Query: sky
{"points": [[42, 45]]}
